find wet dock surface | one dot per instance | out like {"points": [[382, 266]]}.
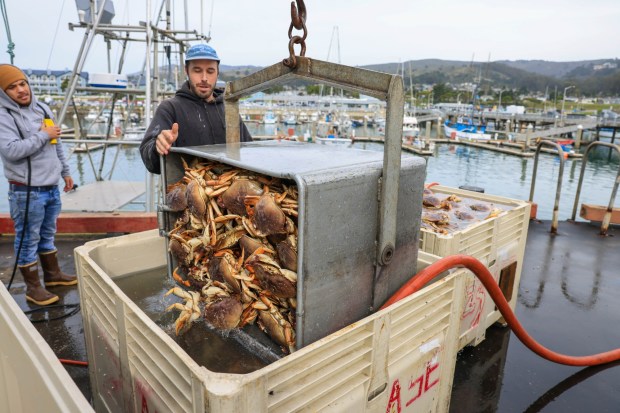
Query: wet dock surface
{"points": [[568, 301]]}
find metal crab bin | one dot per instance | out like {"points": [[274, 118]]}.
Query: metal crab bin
{"points": [[337, 223], [359, 211]]}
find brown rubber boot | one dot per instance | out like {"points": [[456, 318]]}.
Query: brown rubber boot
{"points": [[52, 275], [34, 291]]}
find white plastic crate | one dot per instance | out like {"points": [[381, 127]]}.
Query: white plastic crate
{"points": [[31, 377], [398, 359], [499, 243]]}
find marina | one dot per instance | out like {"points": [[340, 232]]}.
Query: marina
{"points": [[372, 250]]}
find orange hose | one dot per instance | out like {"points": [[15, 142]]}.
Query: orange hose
{"points": [[483, 274], [74, 362]]}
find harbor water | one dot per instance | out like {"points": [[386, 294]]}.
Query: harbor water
{"points": [[451, 165]]}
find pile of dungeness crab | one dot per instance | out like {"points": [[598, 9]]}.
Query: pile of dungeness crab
{"points": [[235, 245], [445, 214]]}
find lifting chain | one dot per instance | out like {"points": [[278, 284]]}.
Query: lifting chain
{"points": [[298, 21]]}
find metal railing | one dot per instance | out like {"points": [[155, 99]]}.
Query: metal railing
{"points": [[556, 206], [614, 191]]}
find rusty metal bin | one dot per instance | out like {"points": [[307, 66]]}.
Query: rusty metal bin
{"points": [[337, 225]]}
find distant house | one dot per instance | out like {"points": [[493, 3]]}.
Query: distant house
{"points": [[49, 82], [606, 65]]}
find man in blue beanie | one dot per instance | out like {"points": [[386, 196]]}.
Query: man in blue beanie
{"points": [[194, 116]]}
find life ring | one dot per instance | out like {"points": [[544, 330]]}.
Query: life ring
{"points": [[453, 135]]}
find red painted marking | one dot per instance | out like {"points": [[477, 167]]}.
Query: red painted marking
{"points": [[145, 405], [94, 222], [429, 370], [419, 382], [475, 296], [394, 398]]}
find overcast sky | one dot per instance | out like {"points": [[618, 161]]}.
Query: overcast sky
{"points": [[254, 32]]}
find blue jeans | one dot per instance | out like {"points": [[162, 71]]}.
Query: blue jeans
{"points": [[43, 210]]}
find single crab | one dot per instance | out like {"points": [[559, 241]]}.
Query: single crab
{"points": [[223, 308], [190, 311], [279, 281]]}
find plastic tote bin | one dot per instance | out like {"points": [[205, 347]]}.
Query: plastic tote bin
{"points": [[499, 243], [398, 359], [31, 377]]}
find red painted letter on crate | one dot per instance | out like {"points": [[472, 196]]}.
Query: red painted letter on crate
{"points": [[429, 370], [423, 383], [394, 401], [416, 383]]}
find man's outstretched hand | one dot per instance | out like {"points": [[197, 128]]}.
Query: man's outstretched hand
{"points": [[166, 138]]}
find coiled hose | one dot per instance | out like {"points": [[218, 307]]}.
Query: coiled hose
{"points": [[483, 274]]}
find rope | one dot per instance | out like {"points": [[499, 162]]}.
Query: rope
{"points": [[5, 18], [55, 34]]}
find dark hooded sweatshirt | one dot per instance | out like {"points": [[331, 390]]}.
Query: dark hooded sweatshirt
{"points": [[200, 123]]}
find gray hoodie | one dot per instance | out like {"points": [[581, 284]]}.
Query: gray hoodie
{"points": [[48, 162]]}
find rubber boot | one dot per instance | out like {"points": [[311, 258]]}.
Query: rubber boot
{"points": [[34, 291], [52, 275]]}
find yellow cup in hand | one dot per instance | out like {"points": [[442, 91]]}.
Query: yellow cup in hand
{"points": [[50, 122]]}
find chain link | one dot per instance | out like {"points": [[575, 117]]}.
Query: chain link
{"points": [[298, 21]]}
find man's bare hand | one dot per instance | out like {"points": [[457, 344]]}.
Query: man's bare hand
{"points": [[52, 131], [166, 138]]}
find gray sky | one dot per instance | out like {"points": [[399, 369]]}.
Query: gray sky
{"points": [[255, 31]]}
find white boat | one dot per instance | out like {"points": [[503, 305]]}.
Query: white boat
{"points": [[290, 119], [134, 134], [108, 80], [466, 129], [410, 127], [269, 117]]}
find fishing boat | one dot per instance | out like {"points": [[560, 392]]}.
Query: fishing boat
{"points": [[269, 118], [466, 129], [290, 119], [410, 127]]}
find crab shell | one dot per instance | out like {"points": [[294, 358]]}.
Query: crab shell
{"points": [[234, 197], [431, 201], [222, 269], [175, 197], [249, 244], [196, 199], [224, 313], [287, 253], [179, 251], [268, 217], [463, 215], [281, 282], [438, 218], [480, 207]]}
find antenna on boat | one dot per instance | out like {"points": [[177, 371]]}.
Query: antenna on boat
{"points": [[413, 102]]}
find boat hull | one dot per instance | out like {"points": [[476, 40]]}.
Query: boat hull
{"points": [[453, 133]]}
